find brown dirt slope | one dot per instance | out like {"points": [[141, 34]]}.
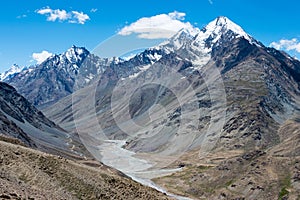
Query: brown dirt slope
{"points": [[29, 174], [269, 174]]}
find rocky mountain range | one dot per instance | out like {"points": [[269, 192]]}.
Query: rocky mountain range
{"points": [[265, 79], [56, 76], [218, 90], [215, 101]]}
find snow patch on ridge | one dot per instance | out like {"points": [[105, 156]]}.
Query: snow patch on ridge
{"points": [[142, 69], [15, 69]]}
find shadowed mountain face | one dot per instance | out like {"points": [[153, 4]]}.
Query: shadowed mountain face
{"points": [[21, 120], [9, 128], [217, 98]]}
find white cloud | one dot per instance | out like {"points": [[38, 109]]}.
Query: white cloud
{"points": [[211, 2], [157, 27], [80, 17], [41, 57], [63, 15], [287, 45]]}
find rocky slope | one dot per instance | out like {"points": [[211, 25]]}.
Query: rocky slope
{"points": [[20, 119], [30, 174], [272, 173]]}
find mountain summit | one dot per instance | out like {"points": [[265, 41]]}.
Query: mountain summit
{"points": [[221, 25], [204, 39], [76, 54]]}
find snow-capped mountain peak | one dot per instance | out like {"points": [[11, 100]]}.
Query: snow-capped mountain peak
{"points": [[11, 72], [205, 38], [223, 24], [218, 28], [75, 54], [211, 33], [179, 39]]}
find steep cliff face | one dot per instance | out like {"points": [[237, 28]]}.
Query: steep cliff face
{"points": [[21, 120]]}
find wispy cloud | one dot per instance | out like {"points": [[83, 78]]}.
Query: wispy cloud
{"points": [[41, 57], [157, 27], [63, 15], [21, 16], [288, 45], [93, 10], [211, 2]]}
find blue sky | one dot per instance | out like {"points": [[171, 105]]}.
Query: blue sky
{"points": [[32, 26]]}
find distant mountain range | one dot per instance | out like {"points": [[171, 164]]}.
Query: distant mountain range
{"points": [[263, 80], [56, 76], [215, 100]]}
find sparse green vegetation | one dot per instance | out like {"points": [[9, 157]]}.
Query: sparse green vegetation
{"points": [[283, 193], [229, 183], [285, 183], [185, 182]]}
